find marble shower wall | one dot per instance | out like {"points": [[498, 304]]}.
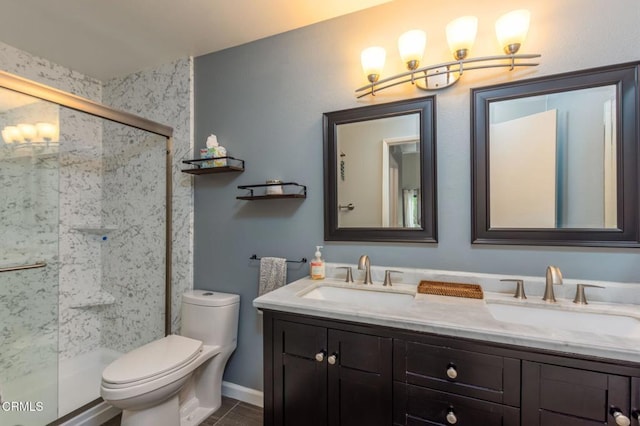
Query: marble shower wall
{"points": [[29, 230], [133, 256], [81, 171], [165, 94]]}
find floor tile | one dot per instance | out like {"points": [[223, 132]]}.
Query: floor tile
{"points": [[231, 413]]}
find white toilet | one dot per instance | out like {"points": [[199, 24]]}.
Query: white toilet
{"points": [[177, 380]]}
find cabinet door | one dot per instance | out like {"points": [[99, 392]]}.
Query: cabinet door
{"points": [[554, 395], [300, 380], [360, 386]]}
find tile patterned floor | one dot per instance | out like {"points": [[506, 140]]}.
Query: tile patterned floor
{"points": [[231, 413]]}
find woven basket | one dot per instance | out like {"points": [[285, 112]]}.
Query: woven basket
{"points": [[471, 291]]}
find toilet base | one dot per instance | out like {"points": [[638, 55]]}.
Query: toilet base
{"points": [[165, 414]]}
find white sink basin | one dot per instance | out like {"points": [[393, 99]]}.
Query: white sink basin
{"points": [[558, 318], [359, 296]]}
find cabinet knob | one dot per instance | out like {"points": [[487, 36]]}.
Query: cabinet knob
{"points": [[320, 356], [621, 419], [332, 359], [452, 373], [451, 418]]}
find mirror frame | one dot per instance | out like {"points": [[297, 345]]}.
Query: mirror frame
{"points": [[427, 233], [627, 234]]}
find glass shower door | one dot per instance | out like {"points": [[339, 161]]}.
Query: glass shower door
{"points": [[29, 211]]}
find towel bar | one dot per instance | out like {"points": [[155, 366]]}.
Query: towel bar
{"points": [[303, 260]]}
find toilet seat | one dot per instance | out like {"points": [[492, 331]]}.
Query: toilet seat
{"points": [[151, 361]]}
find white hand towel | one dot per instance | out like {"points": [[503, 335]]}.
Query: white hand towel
{"points": [[273, 274]]}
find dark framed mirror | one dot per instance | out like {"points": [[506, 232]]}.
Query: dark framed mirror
{"points": [[380, 172], [555, 160]]}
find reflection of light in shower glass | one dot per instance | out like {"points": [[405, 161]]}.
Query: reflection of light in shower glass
{"points": [[11, 134], [29, 131], [25, 132], [47, 131]]}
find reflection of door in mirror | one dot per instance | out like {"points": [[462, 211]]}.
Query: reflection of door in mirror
{"points": [[552, 161], [401, 182], [360, 162]]}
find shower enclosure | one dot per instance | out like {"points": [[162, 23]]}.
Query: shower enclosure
{"points": [[84, 270]]}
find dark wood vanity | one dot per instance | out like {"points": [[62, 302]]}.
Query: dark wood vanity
{"points": [[326, 372]]}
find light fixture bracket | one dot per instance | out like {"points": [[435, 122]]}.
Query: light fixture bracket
{"points": [[439, 76]]}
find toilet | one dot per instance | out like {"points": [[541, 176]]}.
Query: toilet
{"points": [[177, 380]]}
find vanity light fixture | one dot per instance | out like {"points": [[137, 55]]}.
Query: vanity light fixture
{"points": [[511, 30]]}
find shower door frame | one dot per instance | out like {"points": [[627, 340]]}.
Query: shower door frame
{"points": [[78, 103]]}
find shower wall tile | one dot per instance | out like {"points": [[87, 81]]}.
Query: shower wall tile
{"points": [[40, 304], [165, 94], [80, 201], [133, 257], [29, 230], [37, 69]]}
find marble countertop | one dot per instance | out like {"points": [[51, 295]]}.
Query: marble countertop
{"points": [[467, 318]]}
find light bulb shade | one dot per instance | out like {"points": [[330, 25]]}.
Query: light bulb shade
{"points": [[511, 30], [11, 134], [461, 34], [47, 131], [372, 62], [411, 45], [29, 131]]}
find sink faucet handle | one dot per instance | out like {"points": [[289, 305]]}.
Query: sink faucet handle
{"points": [[580, 298], [519, 294], [387, 277], [349, 278]]}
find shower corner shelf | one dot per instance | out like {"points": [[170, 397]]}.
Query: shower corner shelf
{"points": [[99, 298], [233, 165], [94, 229], [302, 192]]}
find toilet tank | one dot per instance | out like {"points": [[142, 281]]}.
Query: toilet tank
{"points": [[211, 317]]}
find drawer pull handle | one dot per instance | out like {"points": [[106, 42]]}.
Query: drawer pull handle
{"points": [[332, 359], [451, 418], [621, 419], [320, 356], [452, 373]]}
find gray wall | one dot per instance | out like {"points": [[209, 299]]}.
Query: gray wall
{"points": [[265, 101]]}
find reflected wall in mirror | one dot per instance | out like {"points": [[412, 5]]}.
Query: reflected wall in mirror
{"points": [[555, 160], [380, 172]]}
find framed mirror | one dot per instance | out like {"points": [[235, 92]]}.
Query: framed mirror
{"points": [[380, 172], [555, 160]]}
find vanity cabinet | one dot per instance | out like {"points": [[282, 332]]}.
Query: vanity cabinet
{"points": [[329, 372], [327, 376]]}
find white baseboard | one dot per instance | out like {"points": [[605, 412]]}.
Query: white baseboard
{"points": [[248, 395], [94, 416]]}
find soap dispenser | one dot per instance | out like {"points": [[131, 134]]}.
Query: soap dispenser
{"points": [[317, 265]]}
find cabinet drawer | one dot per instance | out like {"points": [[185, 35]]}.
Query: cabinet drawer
{"points": [[414, 405], [477, 375]]}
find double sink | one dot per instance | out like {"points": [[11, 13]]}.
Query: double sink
{"points": [[599, 318]]}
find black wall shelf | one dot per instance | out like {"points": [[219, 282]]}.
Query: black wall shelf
{"points": [[302, 191], [233, 165]]}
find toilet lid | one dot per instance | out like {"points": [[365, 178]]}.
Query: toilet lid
{"points": [[152, 359]]}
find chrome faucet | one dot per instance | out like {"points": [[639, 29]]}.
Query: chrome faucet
{"points": [[365, 264], [554, 277]]}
